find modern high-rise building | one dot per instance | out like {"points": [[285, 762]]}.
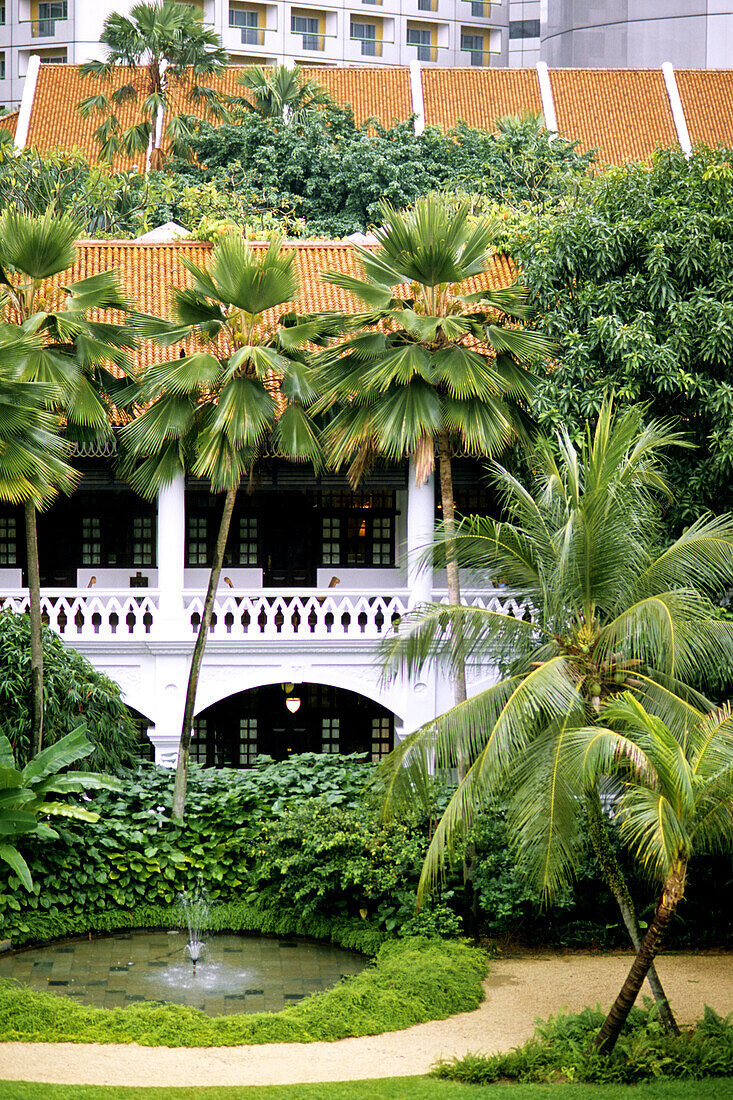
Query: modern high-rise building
{"points": [[443, 33], [692, 34]]}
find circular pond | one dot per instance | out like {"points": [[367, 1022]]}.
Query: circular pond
{"points": [[236, 973]]}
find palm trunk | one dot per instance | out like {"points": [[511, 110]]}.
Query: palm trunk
{"points": [[616, 883], [470, 900], [179, 788], [674, 890], [34, 608]]}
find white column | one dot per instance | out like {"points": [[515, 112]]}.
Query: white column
{"points": [[418, 103], [171, 549], [675, 103], [420, 529], [548, 100], [26, 103]]}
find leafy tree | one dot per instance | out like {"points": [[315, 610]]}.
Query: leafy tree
{"points": [[612, 611], [74, 691], [633, 279], [213, 412], [335, 174], [24, 794], [675, 800], [281, 94], [70, 355], [173, 49]]}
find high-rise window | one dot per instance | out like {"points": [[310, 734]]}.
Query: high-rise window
{"points": [[48, 12], [308, 27], [248, 22], [416, 36], [473, 44], [524, 28], [2, 63], [366, 33]]}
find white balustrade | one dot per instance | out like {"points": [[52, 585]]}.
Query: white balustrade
{"points": [[80, 615], [83, 615]]}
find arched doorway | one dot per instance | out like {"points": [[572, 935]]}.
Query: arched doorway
{"points": [[282, 720]]}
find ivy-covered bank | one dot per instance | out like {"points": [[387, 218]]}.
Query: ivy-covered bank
{"points": [[413, 980]]}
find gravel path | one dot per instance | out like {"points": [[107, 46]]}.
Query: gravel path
{"points": [[518, 990]]}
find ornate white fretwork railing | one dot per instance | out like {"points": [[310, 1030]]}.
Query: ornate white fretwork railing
{"points": [[82, 615]]}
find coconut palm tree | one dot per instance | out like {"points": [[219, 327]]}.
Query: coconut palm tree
{"points": [[674, 800], [281, 94], [215, 411], [65, 348], [611, 611], [174, 52]]}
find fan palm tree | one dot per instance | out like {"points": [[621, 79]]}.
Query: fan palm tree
{"points": [[66, 349], [175, 52], [675, 799], [611, 611], [440, 367], [281, 93], [214, 412]]}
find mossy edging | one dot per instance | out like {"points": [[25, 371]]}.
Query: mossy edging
{"points": [[413, 980], [354, 935]]}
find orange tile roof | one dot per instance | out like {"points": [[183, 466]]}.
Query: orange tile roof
{"points": [[478, 96], [9, 122], [148, 274], [55, 122], [383, 94], [707, 101], [624, 113]]}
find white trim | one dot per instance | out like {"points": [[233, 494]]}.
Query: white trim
{"points": [[548, 102], [418, 103], [678, 114], [26, 103]]}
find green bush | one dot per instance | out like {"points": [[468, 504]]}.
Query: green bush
{"points": [[412, 980], [562, 1049], [73, 690]]}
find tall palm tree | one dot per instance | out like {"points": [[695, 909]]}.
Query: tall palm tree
{"points": [[281, 94], [440, 367], [611, 611], [214, 412], [674, 799], [175, 53], [69, 355]]}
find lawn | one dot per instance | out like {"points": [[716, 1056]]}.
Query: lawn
{"points": [[387, 1088]]}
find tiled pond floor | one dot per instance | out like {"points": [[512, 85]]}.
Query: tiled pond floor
{"points": [[237, 973]]}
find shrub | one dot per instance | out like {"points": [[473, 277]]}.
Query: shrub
{"points": [[73, 690], [562, 1049]]}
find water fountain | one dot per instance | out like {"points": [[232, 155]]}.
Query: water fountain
{"points": [[196, 910]]}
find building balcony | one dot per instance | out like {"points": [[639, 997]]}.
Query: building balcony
{"points": [[241, 617]]}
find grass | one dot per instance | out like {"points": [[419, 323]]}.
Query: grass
{"points": [[413, 980], [387, 1088]]}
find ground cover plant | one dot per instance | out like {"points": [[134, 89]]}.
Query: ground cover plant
{"points": [[562, 1049], [384, 1088], [412, 980]]}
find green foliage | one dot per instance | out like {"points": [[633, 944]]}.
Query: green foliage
{"points": [[335, 174], [633, 280], [412, 981], [562, 1049], [24, 801], [74, 692]]}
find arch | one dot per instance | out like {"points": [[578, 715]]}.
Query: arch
{"points": [[248, 679]]}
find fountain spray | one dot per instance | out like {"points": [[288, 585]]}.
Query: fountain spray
{"points": [[196, 909]]}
